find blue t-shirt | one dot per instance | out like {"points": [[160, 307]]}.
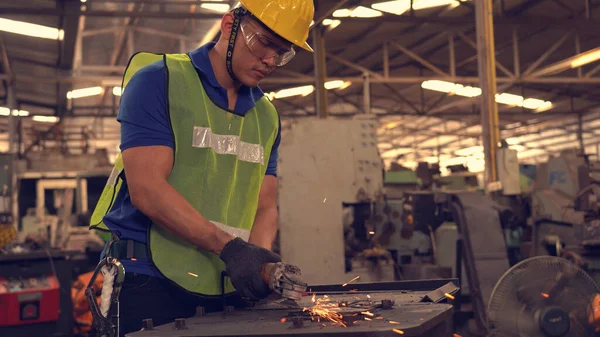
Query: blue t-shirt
{"points": [[144, 119]]}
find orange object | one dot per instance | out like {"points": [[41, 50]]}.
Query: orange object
{"points": [[594, 312], [81, 310]]}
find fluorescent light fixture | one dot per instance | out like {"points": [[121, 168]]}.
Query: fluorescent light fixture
{"points": [[422, 4], [46, 119], [397, 7], [332, 23], [117, 91], [509, 99], [451, 88], [4, 111], [505, 98], [85, 92], [342, 13], [337, 84], [221, 8], [31, 29], [585, 58], [304, 91], [358, 12]]}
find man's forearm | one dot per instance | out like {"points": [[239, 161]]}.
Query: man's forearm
{"points": [[264, 230], [170, 210]]}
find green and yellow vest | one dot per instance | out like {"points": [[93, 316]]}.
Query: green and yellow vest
{"points": [[220, 162]]}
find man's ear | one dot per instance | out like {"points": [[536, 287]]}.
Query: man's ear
{"points": [[226, 24]]}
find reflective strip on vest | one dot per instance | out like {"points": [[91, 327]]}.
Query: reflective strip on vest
{"points": [[241, 233], [228, 144]]}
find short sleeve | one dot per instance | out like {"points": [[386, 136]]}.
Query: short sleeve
{"points": [[143, 112], [272, 166]]}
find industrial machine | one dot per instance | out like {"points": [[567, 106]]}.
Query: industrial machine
{"points": [[35, 293], [544, 296], [325, 164]]}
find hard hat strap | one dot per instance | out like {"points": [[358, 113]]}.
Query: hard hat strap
{"points": [[238, 13]]}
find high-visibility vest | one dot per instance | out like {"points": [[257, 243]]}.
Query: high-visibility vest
{"points": [[220, 161]]}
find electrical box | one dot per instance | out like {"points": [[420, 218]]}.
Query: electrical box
{"points": [[508, 171], [322, 164]]}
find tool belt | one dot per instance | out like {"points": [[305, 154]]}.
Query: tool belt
{"points": [[127, 249]]}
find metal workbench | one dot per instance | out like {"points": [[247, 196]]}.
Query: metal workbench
{"points": [[412, 314]]}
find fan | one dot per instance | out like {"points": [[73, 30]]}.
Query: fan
{"points": [[544, 296]]}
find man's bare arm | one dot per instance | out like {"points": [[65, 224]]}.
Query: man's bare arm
{"points": [[265, 224], [147, 169]]}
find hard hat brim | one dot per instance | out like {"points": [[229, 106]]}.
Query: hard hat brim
{"points": [[307, 47]]}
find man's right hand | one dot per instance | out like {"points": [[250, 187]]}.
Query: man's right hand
{"points": [[243, 262]]}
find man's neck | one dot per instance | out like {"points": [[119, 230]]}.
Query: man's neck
{"points": [[217, 60]]}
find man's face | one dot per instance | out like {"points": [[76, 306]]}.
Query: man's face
{"points": [[257, 52]]}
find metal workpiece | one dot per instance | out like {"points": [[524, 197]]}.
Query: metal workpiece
{"points": [[376, 310], [147, 324], [180, 324]]}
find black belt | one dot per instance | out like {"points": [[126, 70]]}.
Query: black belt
{"points": [[127, 249]]}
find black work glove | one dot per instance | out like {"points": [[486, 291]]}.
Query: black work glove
{"points": [[243, 262]]}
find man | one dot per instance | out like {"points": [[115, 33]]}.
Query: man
{"points": [[195, 189]]}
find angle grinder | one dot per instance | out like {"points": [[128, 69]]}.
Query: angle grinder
{"points": [[284, 279]]}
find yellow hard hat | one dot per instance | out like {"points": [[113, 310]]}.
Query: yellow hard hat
{"points": [[290, 19]]}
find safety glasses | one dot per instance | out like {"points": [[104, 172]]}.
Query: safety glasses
{"points": [[264, 47]]}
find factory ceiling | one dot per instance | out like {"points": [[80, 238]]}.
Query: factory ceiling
{"points": [[415, 69]]}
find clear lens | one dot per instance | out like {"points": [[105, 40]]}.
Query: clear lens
{"points": [[264, 48]]}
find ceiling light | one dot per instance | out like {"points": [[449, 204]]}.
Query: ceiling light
{"points": [[304, 91], [509, 99], [46, 119], [422, 4], [358, 12], [30, 29], [337, 84], [436, 85], [4, 111], [505, 98], [221, 8], [467, 91], [117, 91], [397, 7], [85, 92], [342, 13], [585, 58], [332, 23]]}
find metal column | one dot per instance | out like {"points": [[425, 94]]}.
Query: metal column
{"points": [[487, 81], [320, 70], [366, 93]]}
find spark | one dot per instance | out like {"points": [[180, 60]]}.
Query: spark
{"points": [[372, 233], [456, 335], [368, 296], [400, 332], [133, 259], [367, 319], [314, 298], [352, 280], [367, 313], [323, 308], [379, 317], [394, 322], [192, 274], [283, 320], [358, 298], [324, 200], [545, 295], [449, 296]]}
